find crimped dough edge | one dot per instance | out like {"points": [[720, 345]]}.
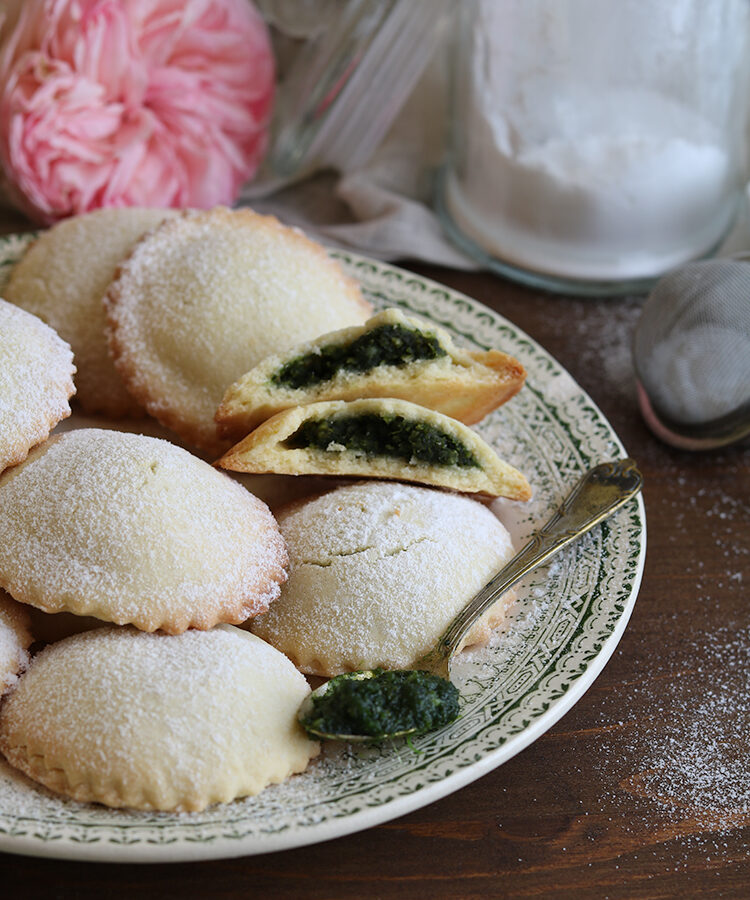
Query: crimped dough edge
{"points": [[120, 302], [257, 582], [60, 370], [84, 779]]}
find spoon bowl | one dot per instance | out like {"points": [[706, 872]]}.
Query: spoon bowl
{"points": [[599, 493]]}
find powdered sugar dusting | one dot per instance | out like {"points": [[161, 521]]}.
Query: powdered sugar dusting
{"points": [[208, 295], [60, 280], [345, 780], [377, 572], [36, 381], [157, 721], [681, 760], [129, 528], [15, 639]]}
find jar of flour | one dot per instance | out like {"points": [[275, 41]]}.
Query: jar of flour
{"points": [[596, 143]]}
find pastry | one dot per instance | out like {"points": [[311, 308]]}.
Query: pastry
{"points": [[132, 529], [391, 355], [377, 438], [15, 640], [377, 572], [157, 721], [36, 382], [207, 296], [62, 278]]}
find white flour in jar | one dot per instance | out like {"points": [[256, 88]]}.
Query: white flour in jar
{"points": [[592, 178]]}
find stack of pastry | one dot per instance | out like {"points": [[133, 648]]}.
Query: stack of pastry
{"points": [[156, 699], [164, 703]]}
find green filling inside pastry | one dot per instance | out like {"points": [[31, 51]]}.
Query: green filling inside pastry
{"points": [[384, 435], [386, 345]]}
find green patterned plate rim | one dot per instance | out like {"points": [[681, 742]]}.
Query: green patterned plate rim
{"points": [[565, 625]]}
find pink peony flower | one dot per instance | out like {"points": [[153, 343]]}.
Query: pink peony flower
{"points": [[132, 103]]}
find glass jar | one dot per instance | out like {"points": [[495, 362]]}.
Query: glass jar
{"points": [[595, 144], [349, 81]]}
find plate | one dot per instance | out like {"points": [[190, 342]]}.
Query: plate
{"points": [[564, 627]]}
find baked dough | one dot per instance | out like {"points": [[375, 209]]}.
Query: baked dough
{"points": [[207, 296], [36, 382], [15, 640], [391, 355], [467, 463], [377, 572], [62, 278], [156, 721], [132, 529]]}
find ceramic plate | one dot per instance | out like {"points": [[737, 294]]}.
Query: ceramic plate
{"points": [[564, 627]]}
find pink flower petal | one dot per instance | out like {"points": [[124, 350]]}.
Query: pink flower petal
{"points": [[121, 102]]}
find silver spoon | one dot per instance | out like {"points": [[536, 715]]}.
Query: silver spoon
{"points": [[600, 492]]}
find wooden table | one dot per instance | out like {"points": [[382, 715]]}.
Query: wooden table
{"points": [[642, 789]]}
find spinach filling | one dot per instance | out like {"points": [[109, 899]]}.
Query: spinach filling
{"points": [[385, 435], [389, 345], [388, 703]]}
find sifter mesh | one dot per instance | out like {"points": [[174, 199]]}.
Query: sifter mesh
{"points": [[692, 343]]}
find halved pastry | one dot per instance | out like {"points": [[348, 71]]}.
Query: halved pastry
{"points": [[380, 438], [391, 355]]}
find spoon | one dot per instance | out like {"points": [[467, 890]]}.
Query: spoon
{"points": [[599, 493]]}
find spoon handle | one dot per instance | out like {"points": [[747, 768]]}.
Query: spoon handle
{"points": [[600, 492]]}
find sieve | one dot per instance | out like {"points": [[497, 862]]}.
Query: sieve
{"points": [[691, 354]]}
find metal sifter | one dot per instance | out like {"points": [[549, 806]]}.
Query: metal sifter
{"points": [[692, 354]]}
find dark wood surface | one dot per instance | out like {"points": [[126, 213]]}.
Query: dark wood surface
{"points": [[642, 789]]}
